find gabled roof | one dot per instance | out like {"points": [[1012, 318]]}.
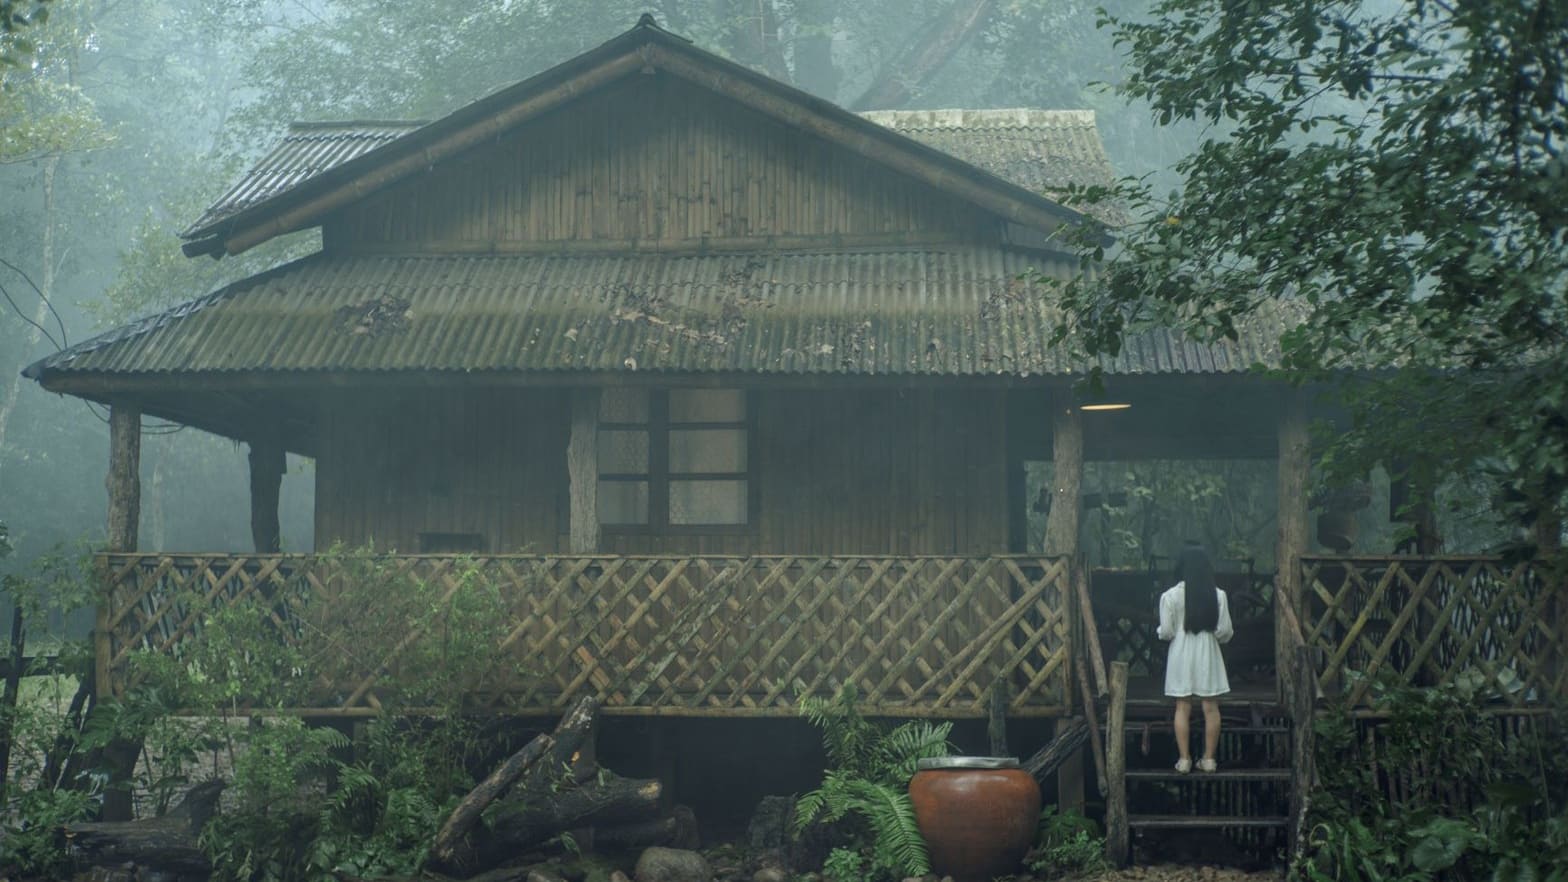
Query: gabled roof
{"points": [[271, 203], [307, 151], [1042, 151], [955, 312]]}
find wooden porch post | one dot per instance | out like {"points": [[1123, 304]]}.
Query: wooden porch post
{"points": [[1061, 538], [125, 497], [124, 481], [1061, 524], [267, 464], [582, 469], [1294, 472]]}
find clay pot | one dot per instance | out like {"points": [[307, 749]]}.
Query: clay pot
{"points": [[978, 815]]}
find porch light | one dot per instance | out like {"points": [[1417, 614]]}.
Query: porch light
{"points": [[1106, 405]]}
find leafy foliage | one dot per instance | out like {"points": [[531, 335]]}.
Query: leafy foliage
{"points": [[1066, 844], [1402, 170], [869, 780], [1440, 790]]}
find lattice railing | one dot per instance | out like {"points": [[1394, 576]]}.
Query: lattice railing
{"points": [[1427, 621], [926, 636]]}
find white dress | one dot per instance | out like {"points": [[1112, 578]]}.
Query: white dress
{"points": [[1195, 666]]}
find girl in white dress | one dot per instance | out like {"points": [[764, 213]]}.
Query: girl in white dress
{"points": [[1195, 618]]}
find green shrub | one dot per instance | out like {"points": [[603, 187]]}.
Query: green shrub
{"points": [[1445, 796], [869, 779], [1067, 844]]}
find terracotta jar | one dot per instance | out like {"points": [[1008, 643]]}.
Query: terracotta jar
{"points": [[978, 814]]}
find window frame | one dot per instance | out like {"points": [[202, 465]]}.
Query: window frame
{"points": [[659, 476]]}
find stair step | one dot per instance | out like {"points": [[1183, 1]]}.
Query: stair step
{"points": [[1221, 775], [1190, 822], [1136, 727]]}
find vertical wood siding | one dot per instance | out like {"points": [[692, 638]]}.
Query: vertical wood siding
{"points": [[657, 161], [488, 462], [865, 472]]}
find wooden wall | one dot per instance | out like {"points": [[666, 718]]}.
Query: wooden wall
{"points": [[395, 464], [655, 160], [863, 472]]}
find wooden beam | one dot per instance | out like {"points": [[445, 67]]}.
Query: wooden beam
{"points": [[1061, 524], [1303, 705], [267, 464], [1293, 542], [124, 482], [1116, 829], [582, 470]]}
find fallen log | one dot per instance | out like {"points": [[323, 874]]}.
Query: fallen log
{"points": [[451, 849], [1067, 742], [527, 818], [167, 844], [573, 752]]}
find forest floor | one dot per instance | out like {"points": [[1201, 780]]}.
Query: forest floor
{"points": [[1183, 873]]}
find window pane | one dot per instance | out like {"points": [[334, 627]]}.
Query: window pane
{"points": [[707, 405], [623, 406], [623, 502], [707, 502], [623, 452], [707, 450]]}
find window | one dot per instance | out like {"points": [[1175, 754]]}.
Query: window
{"points": [[676, 458]]}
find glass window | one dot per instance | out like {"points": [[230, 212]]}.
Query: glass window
{"points": [[623, 503], [707, 502], [675, 458], [696, 451]]}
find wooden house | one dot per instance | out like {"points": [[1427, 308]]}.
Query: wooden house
{"points": [[733, 387]]}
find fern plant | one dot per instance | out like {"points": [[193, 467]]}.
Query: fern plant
{"points": [[871, 768]]}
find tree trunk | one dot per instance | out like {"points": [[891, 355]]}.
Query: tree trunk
{"points": [[582, 472], [450, 850], [167, 844], [815, 22], [1070, 737], [1061, 523], [914, 68], [525, 819], [1294, 472], [751, 33], [13, 387]]}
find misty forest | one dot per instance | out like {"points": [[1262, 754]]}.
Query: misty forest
{"points": [[784, 440]]}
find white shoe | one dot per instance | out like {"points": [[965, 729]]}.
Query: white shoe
{"points": [[1183, 766], [1208, 765]]}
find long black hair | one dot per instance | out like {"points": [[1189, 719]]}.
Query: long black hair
{"points": [[1201, 602]]}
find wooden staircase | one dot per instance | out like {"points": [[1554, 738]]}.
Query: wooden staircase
{"points": [[1248, 798]]}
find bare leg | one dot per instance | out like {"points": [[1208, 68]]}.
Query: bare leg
{"points": [[1211, 727], [1183, 713]]}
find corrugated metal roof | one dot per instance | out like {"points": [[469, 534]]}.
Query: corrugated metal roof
{"points": [[308, 149], [954, 312], [1039, 150]]}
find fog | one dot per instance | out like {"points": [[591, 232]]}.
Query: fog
{"points": [[131, 117]]}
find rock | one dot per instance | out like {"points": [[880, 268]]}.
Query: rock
{"points": [[769, 826], [618, 876], [539, 874], [672, 865], [688, 836], [770, 874]]}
